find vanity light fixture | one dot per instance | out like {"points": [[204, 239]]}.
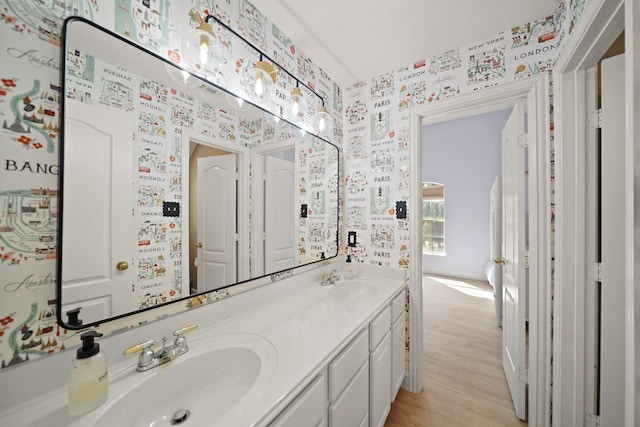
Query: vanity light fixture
{"points": [[298, 107], [321, 122], [199, 45], [259, 81]]}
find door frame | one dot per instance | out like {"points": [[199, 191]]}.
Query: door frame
{"points": [[496, 98], [243, 153], [600, 23]]}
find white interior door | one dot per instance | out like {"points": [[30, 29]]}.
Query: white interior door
{"points": [[495, 233], [217, 222], [97, 224], [613, 192], [280, 217], [514, 275]]}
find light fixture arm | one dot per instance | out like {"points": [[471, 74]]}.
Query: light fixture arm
{"points": [[262, 54]]}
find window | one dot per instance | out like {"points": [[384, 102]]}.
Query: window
{"points": [[433, 218]]}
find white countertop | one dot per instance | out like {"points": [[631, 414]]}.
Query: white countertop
{"points": [[308, 325]]}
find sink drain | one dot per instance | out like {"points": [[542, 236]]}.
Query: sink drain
{"points": [[180, 416]]}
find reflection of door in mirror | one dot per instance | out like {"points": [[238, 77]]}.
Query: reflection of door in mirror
{"points": [[213, 218], [279, 223], [98, 228]]}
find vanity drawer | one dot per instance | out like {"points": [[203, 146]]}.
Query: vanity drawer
{"points": [[352, 407], [309, 408], [397, 306], [346, 364], [379, 327]]}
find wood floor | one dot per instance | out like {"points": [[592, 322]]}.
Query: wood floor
{"points": [[464, 384]]}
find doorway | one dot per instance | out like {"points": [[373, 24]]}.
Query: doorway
{"points": [[578, 391], [229, 162], [534, 92]]}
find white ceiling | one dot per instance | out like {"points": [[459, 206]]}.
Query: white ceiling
{"points": [[353, 40]]}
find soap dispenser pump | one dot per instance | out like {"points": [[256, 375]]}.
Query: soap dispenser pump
{"points": [[348, 268], [88, 383]]}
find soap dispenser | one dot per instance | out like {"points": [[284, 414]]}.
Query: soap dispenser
{"points": [[348, 268], [88, 383]]}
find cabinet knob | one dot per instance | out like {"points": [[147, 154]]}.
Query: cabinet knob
{"points": [[122, 265], [199, 245]]}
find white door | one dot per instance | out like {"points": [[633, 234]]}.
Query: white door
{"points": [[612, 240], [514, 274], [495, 233], [280, 216], [97, 226], [217, 222]]}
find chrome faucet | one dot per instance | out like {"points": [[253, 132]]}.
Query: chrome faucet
{"points": [[329, 278], [149, 358]]}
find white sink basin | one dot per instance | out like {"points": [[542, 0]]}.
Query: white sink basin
{"points": [[211, 381], [352, 289]]}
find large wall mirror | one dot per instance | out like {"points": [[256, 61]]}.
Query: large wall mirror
{"points": [[170, 188]]}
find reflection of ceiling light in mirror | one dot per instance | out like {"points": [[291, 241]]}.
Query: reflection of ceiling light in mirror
{"points": [[258, 81], [321, 122], [236, 102], [272, 118], [180, 76], [297, 109]]}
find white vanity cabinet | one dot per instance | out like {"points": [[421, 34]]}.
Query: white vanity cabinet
{"points": [[380, 367], [386, 361], [397, 343], [309, 408], [349, 384], [357, 386]]}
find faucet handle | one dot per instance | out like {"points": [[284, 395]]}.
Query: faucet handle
{"points": [[184, 330], [144, 347], [180, 341]]}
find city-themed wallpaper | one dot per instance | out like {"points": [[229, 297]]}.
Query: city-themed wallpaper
{"points": [[317, 199], [371, 126], [30, 98], [376, 128], [567, 15]]}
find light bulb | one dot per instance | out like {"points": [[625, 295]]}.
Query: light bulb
{"points": [[321, 123], [204, 51], [297, 107], [259, 81], [200, 46], [259, 87]]}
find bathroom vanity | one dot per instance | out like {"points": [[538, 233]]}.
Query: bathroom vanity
{"points": [[292, 353]]}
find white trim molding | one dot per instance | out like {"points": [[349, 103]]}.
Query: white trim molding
{"points": [[573, 381]]}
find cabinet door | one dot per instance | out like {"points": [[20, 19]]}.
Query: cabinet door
{"points": [[397, 356], [353, 404], [380, 377], [308, 409]]}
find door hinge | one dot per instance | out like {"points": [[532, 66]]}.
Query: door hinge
{"points": [[523, 140], [524, 375], [593, 421], [594, 273], [525, 258], [594, 119]]}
